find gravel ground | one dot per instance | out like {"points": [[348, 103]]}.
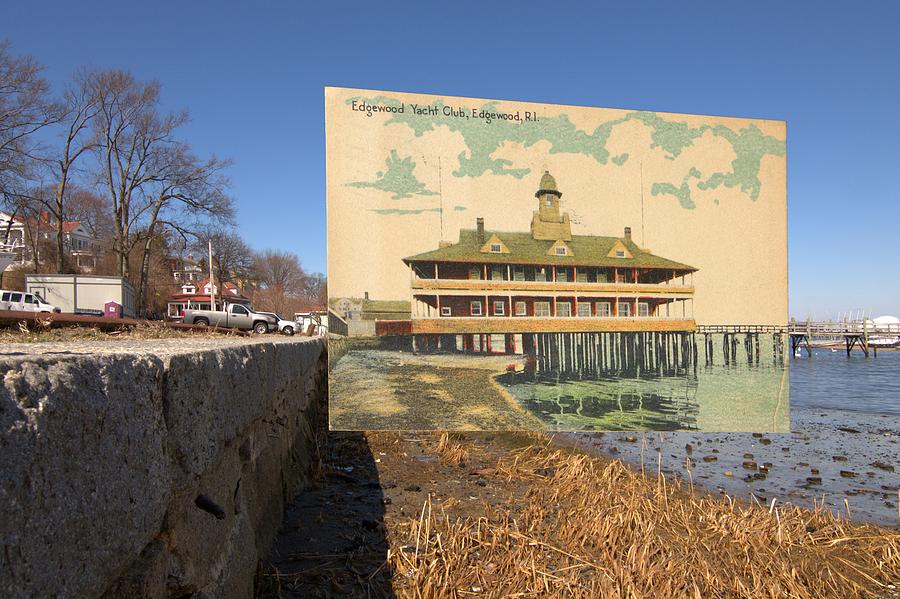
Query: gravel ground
{"points": [[160, 347]]}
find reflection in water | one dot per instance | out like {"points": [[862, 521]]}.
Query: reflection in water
{"points": [[608, 403], [707, 393]]}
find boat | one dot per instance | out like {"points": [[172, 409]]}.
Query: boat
{"points": [[885, 332]]}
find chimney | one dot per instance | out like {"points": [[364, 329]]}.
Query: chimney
{"points": [[628, 233], [480, 225], [366, 294]]}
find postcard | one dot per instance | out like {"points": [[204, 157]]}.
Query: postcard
{"points": [[504, 265]]}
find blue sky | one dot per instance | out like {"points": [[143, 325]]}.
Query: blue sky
{"points": [[251, 75]]}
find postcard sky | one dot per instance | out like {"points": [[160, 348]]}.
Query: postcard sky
{"points": [[252, 75]]}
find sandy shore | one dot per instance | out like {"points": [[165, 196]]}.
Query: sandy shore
{"points": [[390, 390]]}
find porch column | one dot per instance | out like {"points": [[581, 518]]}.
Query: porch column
{"points": [[437, 300], [435, 271], [485, 272], [615, 306], [553, 307], [487, 306]]}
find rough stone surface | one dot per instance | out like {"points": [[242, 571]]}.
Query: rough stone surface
{"points": [[105, 447]]}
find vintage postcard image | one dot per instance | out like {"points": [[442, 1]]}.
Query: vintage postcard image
{"points": [[501, 265]]}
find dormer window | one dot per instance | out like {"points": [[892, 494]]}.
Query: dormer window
{"points": [[548, 201], [620, 253], [561, 251], [495, 248]]}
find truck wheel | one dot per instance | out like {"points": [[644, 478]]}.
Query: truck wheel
{"points": [[202, 322], [260, 328], [289, 331]]}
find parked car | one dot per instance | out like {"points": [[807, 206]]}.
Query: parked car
{"points": [[25, 302], [285, 326], [235, 316]]}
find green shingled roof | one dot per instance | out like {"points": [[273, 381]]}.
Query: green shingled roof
{"points": [[588, 250]]}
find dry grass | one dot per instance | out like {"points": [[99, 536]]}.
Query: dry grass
{"points": [[588, 528], [40, 331], [451, 452]]}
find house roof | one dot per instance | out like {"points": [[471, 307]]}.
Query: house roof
{"points": [[370, 305], [587, 250]]}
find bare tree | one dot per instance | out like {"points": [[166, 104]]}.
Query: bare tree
{"points": [[233, 260], [130, 135], [91, 210], [81, 104], [314, 289], [186, 194], [281, 272], [24, 110]]}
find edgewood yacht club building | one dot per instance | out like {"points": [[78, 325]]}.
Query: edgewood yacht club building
{"points": [[492, 289]]}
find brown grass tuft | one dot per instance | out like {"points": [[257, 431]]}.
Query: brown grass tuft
{"points": [[451, 452]]}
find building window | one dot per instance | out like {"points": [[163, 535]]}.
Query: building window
{"points": [[584, 309], [643, 309], [582, 276], [563, 309], [604, 309], [474, 273], [620, 253], [562, 275], [518, 273], [561, 251], [540, 274], [542, 309], [445, 311], [495, 248], [521, 309], [475, 308], [499, 307], [498, 343], [624, 309], [548, 201], [497, 273]]}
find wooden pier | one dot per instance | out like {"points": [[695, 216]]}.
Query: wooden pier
{"points": [[850, 333]]}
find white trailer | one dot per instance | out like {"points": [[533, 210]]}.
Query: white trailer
{"points": [[83, 294]]}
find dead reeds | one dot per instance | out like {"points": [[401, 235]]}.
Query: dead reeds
{"points": [[590, 528], [451, 452]]}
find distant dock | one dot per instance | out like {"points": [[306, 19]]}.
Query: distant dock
{"points": [[861, 334]]}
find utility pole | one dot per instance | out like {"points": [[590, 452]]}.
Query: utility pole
{"points": [[212, 285]]}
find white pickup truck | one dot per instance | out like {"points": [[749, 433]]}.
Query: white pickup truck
{"points": [[24, 302], [235, 316]]}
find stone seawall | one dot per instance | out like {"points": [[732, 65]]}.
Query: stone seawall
{"points": [[151, 468]]}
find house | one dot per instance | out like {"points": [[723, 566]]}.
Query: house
{"points": [[361, 314], [78, 243], [196, 296], [186, 270], [493, 289]]}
